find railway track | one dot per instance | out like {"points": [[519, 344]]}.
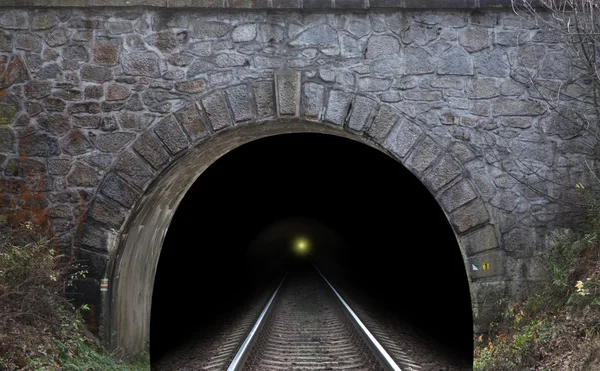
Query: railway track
{"points": [[306, 325]]}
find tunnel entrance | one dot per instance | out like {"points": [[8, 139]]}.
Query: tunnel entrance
{"points": [[365, 219]]}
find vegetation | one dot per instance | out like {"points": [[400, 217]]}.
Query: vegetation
{"points": [[559, 327], [39, 327]]}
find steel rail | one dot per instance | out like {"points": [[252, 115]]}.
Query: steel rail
{"points": [[381, 354], [240, 358]]}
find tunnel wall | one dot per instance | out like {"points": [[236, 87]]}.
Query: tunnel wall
{"points": [[111, 113]]}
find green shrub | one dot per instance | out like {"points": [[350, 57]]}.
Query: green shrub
{"points": [[39, 328]]}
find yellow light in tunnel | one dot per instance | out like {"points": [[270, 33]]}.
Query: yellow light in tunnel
{"points": [[301, 246]]}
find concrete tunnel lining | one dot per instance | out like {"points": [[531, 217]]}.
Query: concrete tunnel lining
{"points": [[127, 310]]}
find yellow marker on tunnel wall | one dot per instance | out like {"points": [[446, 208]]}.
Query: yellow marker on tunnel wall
{"points": [[485, 266]]}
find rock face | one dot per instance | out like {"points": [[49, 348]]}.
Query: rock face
{"points": [[106, 100]]}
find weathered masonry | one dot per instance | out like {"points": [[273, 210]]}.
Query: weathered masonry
{"points": [[112, 109]]}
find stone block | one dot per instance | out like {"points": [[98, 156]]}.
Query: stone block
{"points": [[424, 154], [55, 104], [457, 195], [244, 33], [483, 88], [418, 61], [338, 106], [82, 175], [382, 45], [118, 190], [373, 84], [58, 166], [541, 151], [511, 107], [287, 92], [490, 295], [494, 259], [43, 21], [351, 47], [94, 91], [264, 96], [423, 95], [75, 143], [56, 124], [519, 242], [171, 135], [33, 108], [469, 217], [15, 72], [455, 61], [442, 173], [6, 41], [86, 121], [113, 142], [8, 113], [474, 39], [216, 110], [313, 96], [363, 110], [492, 62], [155, 3], [316, 4], [286, 4], [31, 144], [107, 212], [83, 23], [95, 73], [141, 64], [23, 167], [133, 169], [240, 103], [383, 122], [317, 36], [151, 150], [196, 3], [402, 138], [232, 60], [480, 240], [203, 29], [106, 51], [14, 20], [29, 42], [437, 4], [191, 121], [9, 185], [350, 4], [60, 212], [191, 86], [37, 89], [93, 237], [117, 92], [249, 4], [86, 107]]}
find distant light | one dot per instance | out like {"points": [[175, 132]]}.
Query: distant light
{"points": [[301, 246]]}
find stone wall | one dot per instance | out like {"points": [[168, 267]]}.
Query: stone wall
{"points": [[98, 106]]}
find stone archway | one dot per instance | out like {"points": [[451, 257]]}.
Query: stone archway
{"points": [[147, 199]]}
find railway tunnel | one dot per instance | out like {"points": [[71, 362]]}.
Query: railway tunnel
{"points": [[359, 215]]}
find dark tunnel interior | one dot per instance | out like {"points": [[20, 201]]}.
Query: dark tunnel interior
{"points": [[367, 222]]}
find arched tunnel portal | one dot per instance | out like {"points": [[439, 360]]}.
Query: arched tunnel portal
{"points": [[355, 212], [373, 225]]}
